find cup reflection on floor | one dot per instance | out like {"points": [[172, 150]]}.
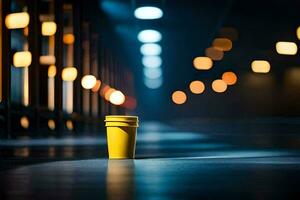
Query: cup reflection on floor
{"points": [[120, 180]]}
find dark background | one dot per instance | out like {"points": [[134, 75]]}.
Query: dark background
{"points": [[188, 28]]}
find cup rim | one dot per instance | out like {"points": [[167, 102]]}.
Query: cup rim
{"points": [[121, 118]]}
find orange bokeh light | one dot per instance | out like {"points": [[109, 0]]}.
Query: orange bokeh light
{"points": [[203, 63], [214, 53], [97, 86], [68, 38], [229, 78], [179, 97], [223, 44], [108, 93], [197, 87], [219, 86]]}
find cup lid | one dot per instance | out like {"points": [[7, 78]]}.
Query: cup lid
{"points": [[121, 118]]}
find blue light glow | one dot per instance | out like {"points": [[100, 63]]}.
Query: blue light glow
{"points": [[152, 73], [153, 83], [151, 61], [150, 49], [149, 36], [148, 12]]}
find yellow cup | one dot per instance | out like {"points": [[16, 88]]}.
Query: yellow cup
{"points": [[121, 136]]}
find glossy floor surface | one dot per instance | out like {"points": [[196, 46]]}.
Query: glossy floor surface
{"points": [[206, 160]]}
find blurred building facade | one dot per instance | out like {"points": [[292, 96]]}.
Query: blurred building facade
{"points": [[59, 69]]}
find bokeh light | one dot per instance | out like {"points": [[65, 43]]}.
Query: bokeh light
{"points": [[48, 28], [47, 60], [203, 63], [148, 12], [229, 78], [69, 125], [213, 53], [197, 87], [52, 71], [223, 44], [51, 124], [153, 83], [69, 74], [97, 86], [24, 121], [17, 20], [286, 48], [108, 92], [298, 32], [219, 86], [117, 97], [179, 97], [68, 38], [149, 36], [260, 66], [152, 73], [150, 49], [152, 61], [22, 59], [88, 81]]}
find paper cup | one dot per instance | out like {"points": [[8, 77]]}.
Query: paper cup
{"points": [[121, 136]]}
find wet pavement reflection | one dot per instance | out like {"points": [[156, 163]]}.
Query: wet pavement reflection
{"points": [[171, 163]]}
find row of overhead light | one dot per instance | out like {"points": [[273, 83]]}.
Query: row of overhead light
{"points": [[213, 53], [216, 53], [69, 74], [150, 48], [90, 82], [198, 87], [282, 48]]}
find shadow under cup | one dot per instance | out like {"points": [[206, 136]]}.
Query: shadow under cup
{"points": [[121, 136]]}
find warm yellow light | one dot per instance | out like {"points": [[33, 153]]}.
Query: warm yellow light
{"points": [[17, 20], [214, 53], [97, 86], [108, 92], [219, 86], [286, 48], [88, 81], [203, 63], [260, 66], [51, 124], [24, 121], [51, 71], [117, 97], [22, 59], [229, 78], [68, 38], [48, 28], [69, 74], [47, 60], [222, 44], [298, 32], [197, 87], [179, 97], [69, 125]]}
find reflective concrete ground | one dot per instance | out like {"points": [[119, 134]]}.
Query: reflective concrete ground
{"points": [[258, 159]]}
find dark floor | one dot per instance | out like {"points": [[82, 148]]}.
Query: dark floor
{"points": [[258, 159]]}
